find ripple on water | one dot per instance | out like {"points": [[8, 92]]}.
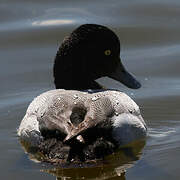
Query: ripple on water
{"points": [[163, 138]]}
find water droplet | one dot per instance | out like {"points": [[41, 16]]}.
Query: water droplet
{"points": [[117, 102], [75, 96], [132, 94], [116, 113], [130, 111], [59, 98], [75, 102], [95, 98], [42, 114]]}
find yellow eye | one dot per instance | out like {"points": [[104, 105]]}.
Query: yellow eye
{"points": [[107, 52]]}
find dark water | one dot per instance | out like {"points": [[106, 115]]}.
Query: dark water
{"points": [[30, 33]]}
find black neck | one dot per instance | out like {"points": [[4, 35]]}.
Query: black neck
{"points": [[70, 74], [81, 84]]}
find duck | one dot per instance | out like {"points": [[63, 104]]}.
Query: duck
{"points": [[80, 120]]}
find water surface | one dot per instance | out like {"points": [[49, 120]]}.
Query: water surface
{"points": [[30, 33]]}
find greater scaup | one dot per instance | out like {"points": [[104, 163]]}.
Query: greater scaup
{"points": [[70, 123]]}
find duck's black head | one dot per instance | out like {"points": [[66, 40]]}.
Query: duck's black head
{"points": [[90, 52]]}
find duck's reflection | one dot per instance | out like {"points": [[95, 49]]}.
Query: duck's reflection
{"points": [[112, 167]]}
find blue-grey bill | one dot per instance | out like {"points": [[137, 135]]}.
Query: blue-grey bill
{"points": [[121, 75]]}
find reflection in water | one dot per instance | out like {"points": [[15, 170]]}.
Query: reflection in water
{"points": [[52, 22], [112, 167]]}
